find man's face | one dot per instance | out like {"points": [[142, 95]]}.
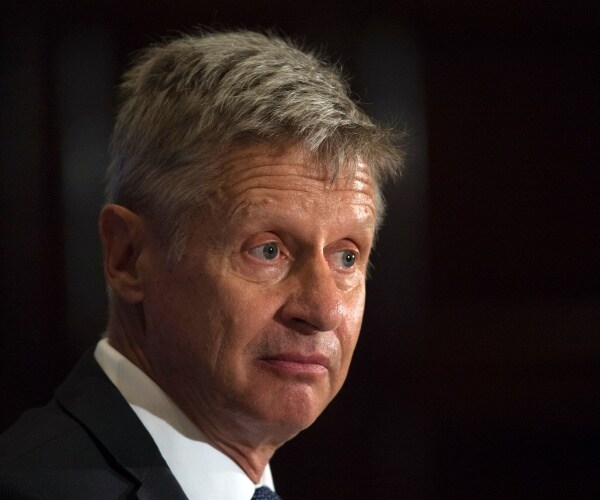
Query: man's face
{"points": [[252, 331]]}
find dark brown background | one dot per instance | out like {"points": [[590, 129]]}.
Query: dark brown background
{"points": [[478, 369]]}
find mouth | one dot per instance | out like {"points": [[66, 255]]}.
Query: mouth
{"points": [[297, 364]]}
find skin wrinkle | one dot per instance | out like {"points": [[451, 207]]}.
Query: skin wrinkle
{"points": [[222, 141], [236, 167], [233, 169], [216, 314], [253, 214], [187, 101]]}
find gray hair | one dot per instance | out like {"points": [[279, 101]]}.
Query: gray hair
{"points": [[187, 102]]}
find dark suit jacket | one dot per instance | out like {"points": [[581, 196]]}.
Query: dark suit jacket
{"points": [[87, 443]]}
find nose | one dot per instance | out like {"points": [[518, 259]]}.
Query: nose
{"points": [[315, 302]]}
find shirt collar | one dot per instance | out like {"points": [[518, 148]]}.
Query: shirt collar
{"points": [[202, 470]]}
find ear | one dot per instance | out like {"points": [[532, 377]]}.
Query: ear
{"points": [[121, 234]]}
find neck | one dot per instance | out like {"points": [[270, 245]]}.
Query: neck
{"points": [[242, 443], [243, 446], [252, 462], [124, 333]]}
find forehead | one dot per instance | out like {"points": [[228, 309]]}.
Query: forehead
{"points": [[253, 170]]}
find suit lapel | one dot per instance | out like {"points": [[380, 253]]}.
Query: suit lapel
{"points": [[89, 397]]}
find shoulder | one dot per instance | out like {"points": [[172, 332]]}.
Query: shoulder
{"points": [[49, 454], [86, 443], [36, 429]]}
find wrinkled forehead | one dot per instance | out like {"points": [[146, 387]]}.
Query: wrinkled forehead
{"points": [[290, 168]]}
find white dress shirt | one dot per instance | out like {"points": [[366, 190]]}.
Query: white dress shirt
{"points": [[202, 471]]}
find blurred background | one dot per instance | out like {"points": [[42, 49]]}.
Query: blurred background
{"points": [[478, 370]]}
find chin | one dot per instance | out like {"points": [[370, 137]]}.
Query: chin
{"points": [[281, 409], [281, 429], [295, 415]]}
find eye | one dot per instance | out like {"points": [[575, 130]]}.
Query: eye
{"points": [[346, 259], [268, 251]]}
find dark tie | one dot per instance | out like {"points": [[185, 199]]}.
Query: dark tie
{"points": [[264, 493]]}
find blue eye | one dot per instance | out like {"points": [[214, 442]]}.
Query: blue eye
{"points": [[268, 251], [348, 258]]}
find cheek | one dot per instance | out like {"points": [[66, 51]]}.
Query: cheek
{"points": [[177, 305], [349, 337], [242, 313], [348, 344]]}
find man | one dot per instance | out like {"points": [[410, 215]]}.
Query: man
{"points": [[243, 197]]}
